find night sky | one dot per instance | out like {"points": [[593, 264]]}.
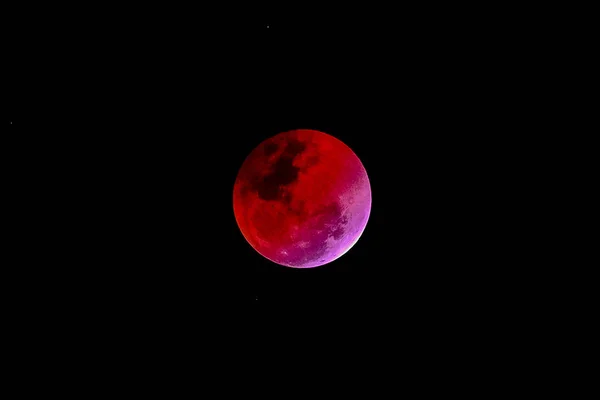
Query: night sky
{"points": [[147, 140]]}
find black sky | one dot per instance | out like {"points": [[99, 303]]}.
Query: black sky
{"points": [[141, 138]]}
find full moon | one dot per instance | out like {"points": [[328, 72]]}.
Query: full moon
{"points": [[302, 198]]}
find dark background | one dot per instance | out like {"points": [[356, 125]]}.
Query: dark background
{"points": [[132, 137]]}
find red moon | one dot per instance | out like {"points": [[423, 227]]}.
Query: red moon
{"points": [[302, 198]]}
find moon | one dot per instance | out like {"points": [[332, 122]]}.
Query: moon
{"points": [[302, 198]]}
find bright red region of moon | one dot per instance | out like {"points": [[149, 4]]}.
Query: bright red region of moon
{"points": [[302, 198]]}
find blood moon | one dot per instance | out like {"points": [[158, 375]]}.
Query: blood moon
{"points": [[302, 198]]}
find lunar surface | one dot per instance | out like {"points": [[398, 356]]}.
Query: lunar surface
{"points": [[302, 198]]}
